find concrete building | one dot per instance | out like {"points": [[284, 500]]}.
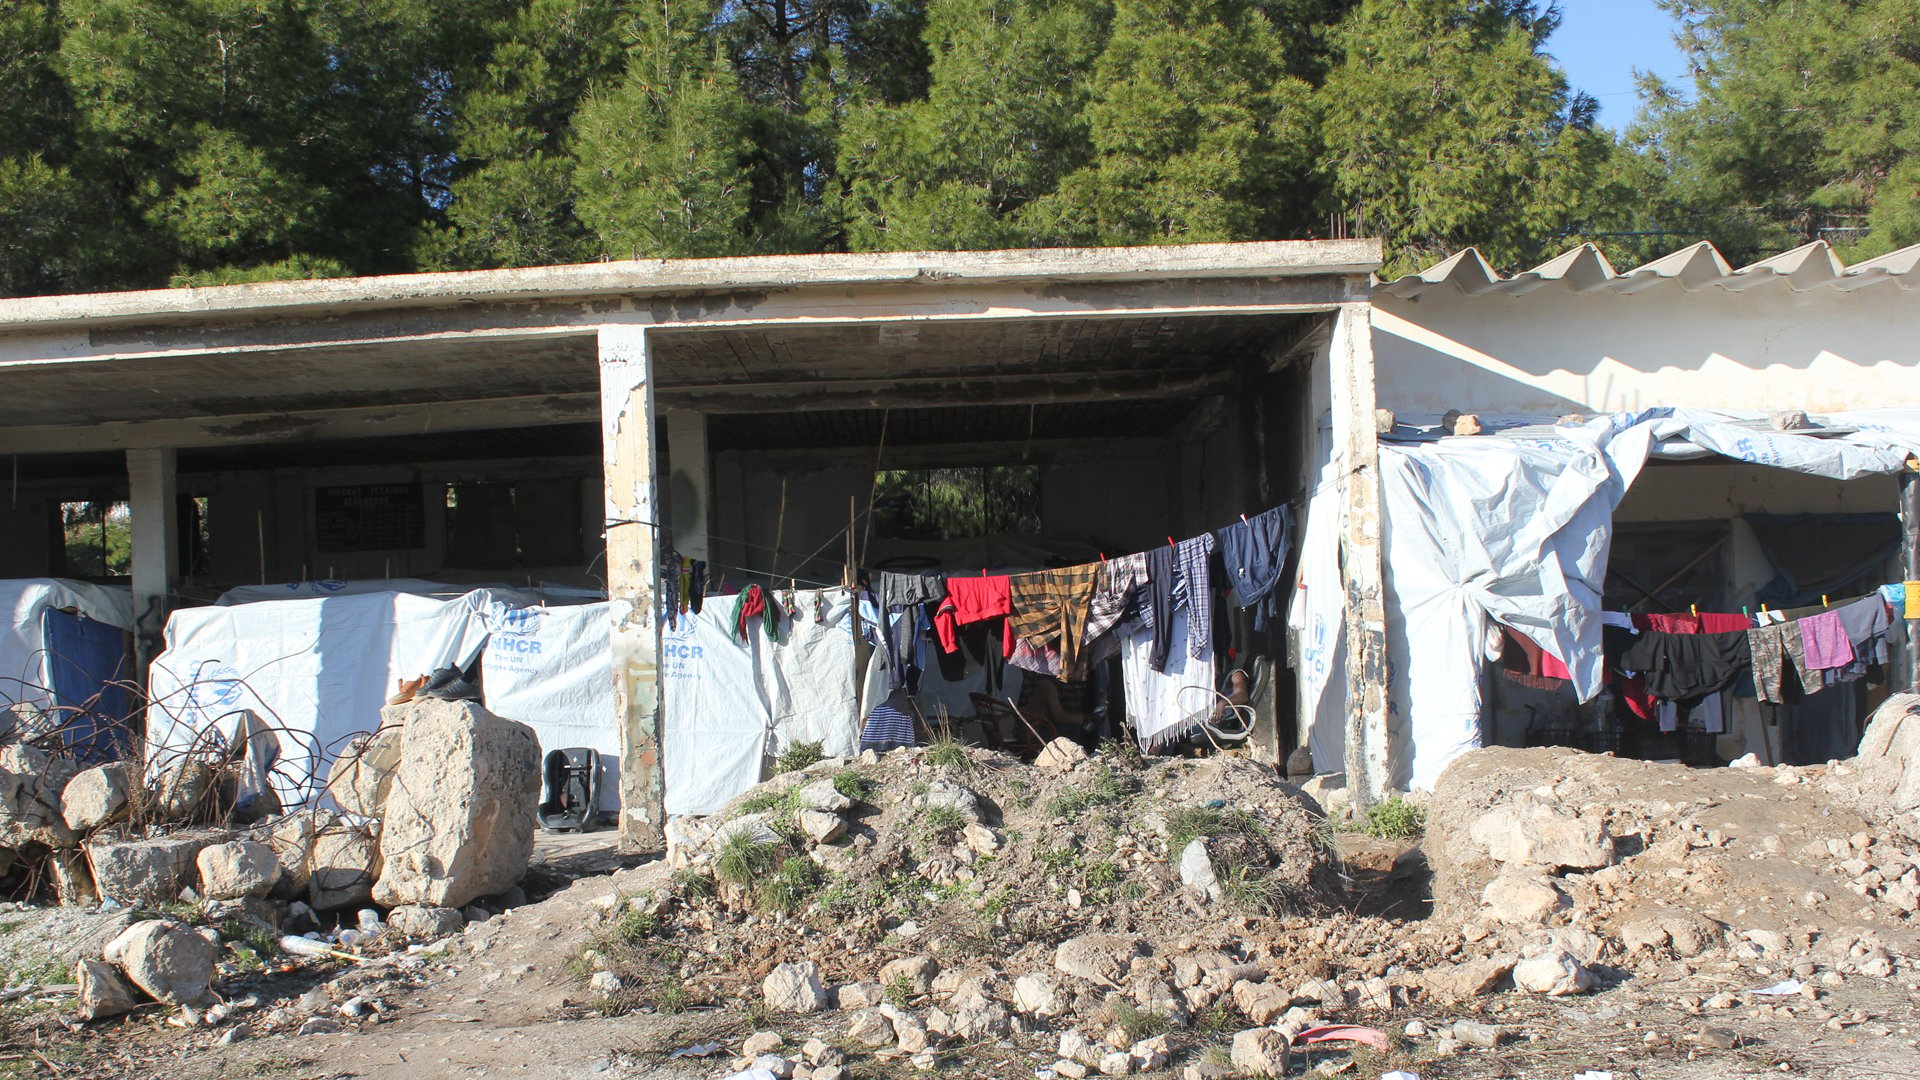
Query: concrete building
{"points": [[563, 424]]}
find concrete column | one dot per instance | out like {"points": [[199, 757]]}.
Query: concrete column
{"points": [[154, 503], [1356, 447], [690, 486], [1910, 556], [633, 561]]}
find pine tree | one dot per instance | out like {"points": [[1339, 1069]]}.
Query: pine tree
{"points": [[1198, 132], [1804, 122], [665, 153], [1002, 122], [1446, 127]]}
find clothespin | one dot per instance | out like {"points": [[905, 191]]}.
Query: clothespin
{"points": [[1695, 609], [1763, 609], [1170, 542], [1744, 611], [1823, 600], [1103, 556], [1243, 519]]}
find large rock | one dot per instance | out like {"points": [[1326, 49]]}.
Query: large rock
{"points": [[1523, 899], [1260, 1002], [1468, 980], [31, 781], [1888, 765], [915, 973], [1532, 832], [239, 868], [172, 962], [1260, 1052], [1555, 974], [363, 774], [291, 839], [1060, 755], [103, 991], [1037, 995], [460, 814], [794, 988], [149, 871], [1099, 958], [425, 923], [96, 796], [1196, 869], [343, 862], [185, 791]]}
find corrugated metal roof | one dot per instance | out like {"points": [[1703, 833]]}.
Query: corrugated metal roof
{"points": [[1585, 270]]}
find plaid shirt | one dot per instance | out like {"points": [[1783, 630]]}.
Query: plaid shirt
{"points": [[1050, 606]]}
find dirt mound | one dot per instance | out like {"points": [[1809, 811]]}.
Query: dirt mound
{"points": [[1661, 861], [966, 852]]}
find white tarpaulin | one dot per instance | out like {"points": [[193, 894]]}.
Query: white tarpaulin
{"points": [[726, 705], [316, 670], [314, 590], [1316, 619], [1517, 528], [25, 674], [551, 668]]}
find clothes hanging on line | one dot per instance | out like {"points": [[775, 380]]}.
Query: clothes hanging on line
{"points": [[971, 600], [1687, 667], [1193, 583], [1253, 552], [1050, 608], [1824, 641]]}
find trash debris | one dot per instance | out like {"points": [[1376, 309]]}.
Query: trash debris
{"points": [[1343, 1033], [1782, 988], [1402, 1074], [1593, 1074], [697, 1050]]}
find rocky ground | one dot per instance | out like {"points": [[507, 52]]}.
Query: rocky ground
{"points": [[948, 910]]}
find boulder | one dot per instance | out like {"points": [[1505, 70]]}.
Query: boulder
{"points": [[1060, 755], [822, 795], [362, 774], [915, 972], [979, 839], [185, 789], [460, 812], [31, 781], [1037, 995], [1523, 899], [343, 862], [957, 796], [820, 826], [1555, 973], [1888, 764], [1532, 832], [103, 991], [235, 869], [1260, 1002], [72, 878], [424, 923], [870, 1028], [149, 871], [96, 796], [1196, 870], [291, 839], [1099, 958], [1471, 979], [171, 961], [794, 988], [1260, 1052]]}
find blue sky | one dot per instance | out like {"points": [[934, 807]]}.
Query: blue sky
{"points": [[1600, 42]]}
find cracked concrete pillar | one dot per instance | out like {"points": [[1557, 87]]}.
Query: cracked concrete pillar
{"points": [[1357, 448], [633, 576], [153, 501]]}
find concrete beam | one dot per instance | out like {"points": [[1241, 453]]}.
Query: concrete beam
{"points": [[633, 575], [934, 390], [153, 500], [252, 428], [337, 297], [1357, 449]]}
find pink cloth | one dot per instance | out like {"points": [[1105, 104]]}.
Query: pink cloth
{"points": [[1825, 639]]}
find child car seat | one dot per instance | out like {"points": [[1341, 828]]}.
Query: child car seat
{"points": [[572, 799]]}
